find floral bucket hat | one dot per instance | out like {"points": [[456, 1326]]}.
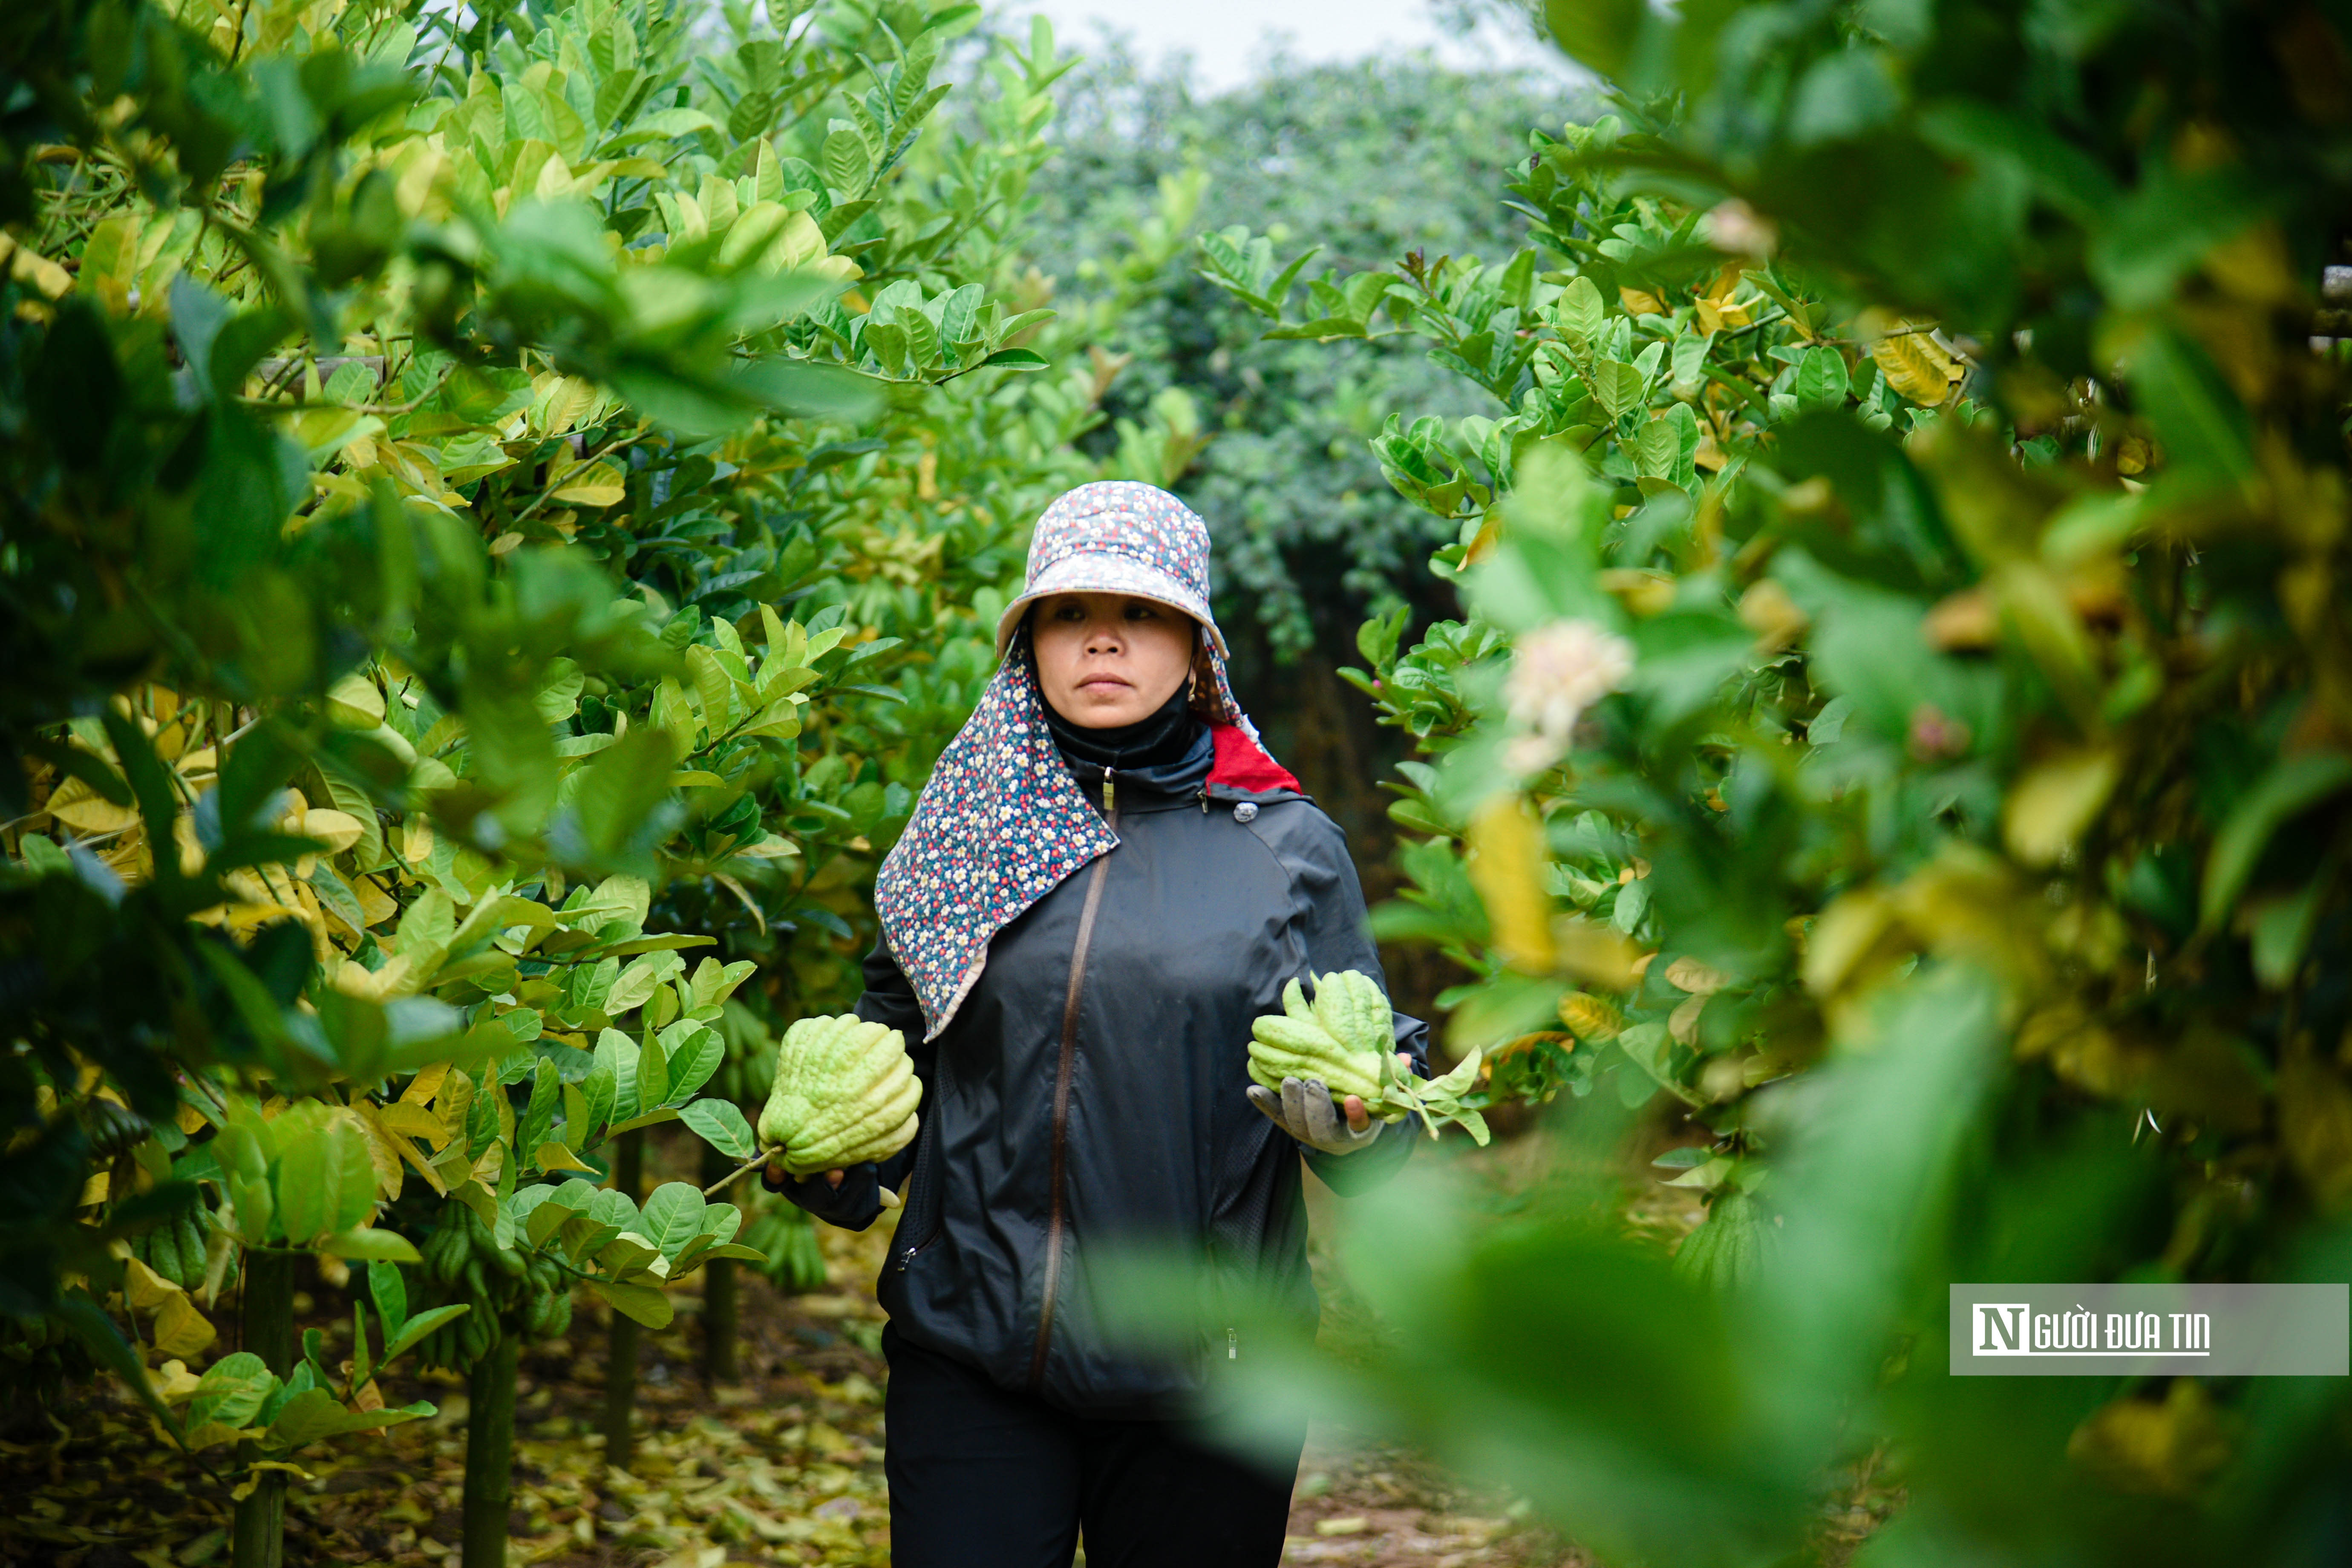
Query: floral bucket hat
{"points": [[1119, 537], [1002, 822]]}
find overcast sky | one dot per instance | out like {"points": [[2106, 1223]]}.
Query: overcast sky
{"points": [[1230, 40]]}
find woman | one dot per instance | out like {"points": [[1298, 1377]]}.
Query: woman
{"points": [[1105, 879]]}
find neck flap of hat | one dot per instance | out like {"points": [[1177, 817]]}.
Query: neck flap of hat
{"points": [[1002, 824]]}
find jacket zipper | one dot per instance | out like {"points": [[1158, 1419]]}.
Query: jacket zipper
{"points": [[1054, 1221], [918, 1189]]}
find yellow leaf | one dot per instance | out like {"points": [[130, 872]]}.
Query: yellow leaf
{"points": [[172, 1382], [2139, 1446], [694, 778], [1641, 302], [2316, 1126], [1507, 850], [1698, 979], [354, 703], [1683, 1022], [2055, 799], [182, 1331], [337, 830], [356, 979], [27, 266], [424, 1085], [79, 807], [244, 1488], [1766, 610], [1847, 931], [376, 905], [1916, 364], [1590, 1017], [553, 1156], [145, 1290], [383, 1154], [599, 484]]}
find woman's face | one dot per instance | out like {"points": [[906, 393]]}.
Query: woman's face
{"points": [[1108, 660]]}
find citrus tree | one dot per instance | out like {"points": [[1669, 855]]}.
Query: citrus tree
{"points": [[1901, 725], [414, 425]]}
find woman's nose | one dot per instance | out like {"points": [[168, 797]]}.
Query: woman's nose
{"points": [[1103, 638]]}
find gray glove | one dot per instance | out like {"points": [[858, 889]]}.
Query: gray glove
{"points": [[1303, 1110]]}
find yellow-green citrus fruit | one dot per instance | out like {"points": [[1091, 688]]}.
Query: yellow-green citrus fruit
{"points": [[846, 1093], [1343, 1039]]}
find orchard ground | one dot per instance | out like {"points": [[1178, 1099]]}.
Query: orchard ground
{"points": [[783, 1466]]}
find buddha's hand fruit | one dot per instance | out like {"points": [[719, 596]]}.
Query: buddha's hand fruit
{"points": [[846, 1093], [1346, 1040]]}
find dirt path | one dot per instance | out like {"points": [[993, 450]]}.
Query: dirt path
{"points": [[785, 1466]]}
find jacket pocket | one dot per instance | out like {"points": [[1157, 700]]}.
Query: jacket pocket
{"points": [[923, 1221]]}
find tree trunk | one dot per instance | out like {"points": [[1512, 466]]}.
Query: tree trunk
{"points": [[266, 1326], [490, 1451], [621, 1357], [720, 1362]]}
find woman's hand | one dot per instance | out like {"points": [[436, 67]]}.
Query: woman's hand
{"points": [[1304, 1109], [775, 1178]]}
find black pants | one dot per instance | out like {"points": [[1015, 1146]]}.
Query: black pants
{"points": [[983, 1478]]}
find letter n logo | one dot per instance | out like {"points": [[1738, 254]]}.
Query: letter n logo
{"points": [[2000, 1329]]}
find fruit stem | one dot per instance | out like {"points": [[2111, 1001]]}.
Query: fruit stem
{"points": [[762, 1158]]}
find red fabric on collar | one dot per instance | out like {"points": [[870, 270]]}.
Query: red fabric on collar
{"points": [[1241, 764]]}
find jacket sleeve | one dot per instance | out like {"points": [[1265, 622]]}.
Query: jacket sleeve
{"points": [[1339, 935], [855, 1204]]}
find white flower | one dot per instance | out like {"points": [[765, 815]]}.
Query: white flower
{"points": [[1557, 672], [1738, 229]]}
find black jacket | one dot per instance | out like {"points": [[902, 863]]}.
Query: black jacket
{"points": [[1067, 1118]]}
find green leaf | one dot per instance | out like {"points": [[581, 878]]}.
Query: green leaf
{"points": [[673, 1216], [323, 1180], [735, 1249], [539, 1116], [1014, 359], [231, 1391], [2206, 430], [375, 1246], [695, 1052], [1583, 313], [1601, 34], [617, 1058], [413, 1332], [390, 1292], [2292, 787], [637, 982], [722, 1125], [1822, 380], [629, 1252], [2159, 234], [653, 1074], [1648, 1046], [560, 1207], [308, 1416], [844, 161], [1320, 331], [1618, 387], [639, 1303]]}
